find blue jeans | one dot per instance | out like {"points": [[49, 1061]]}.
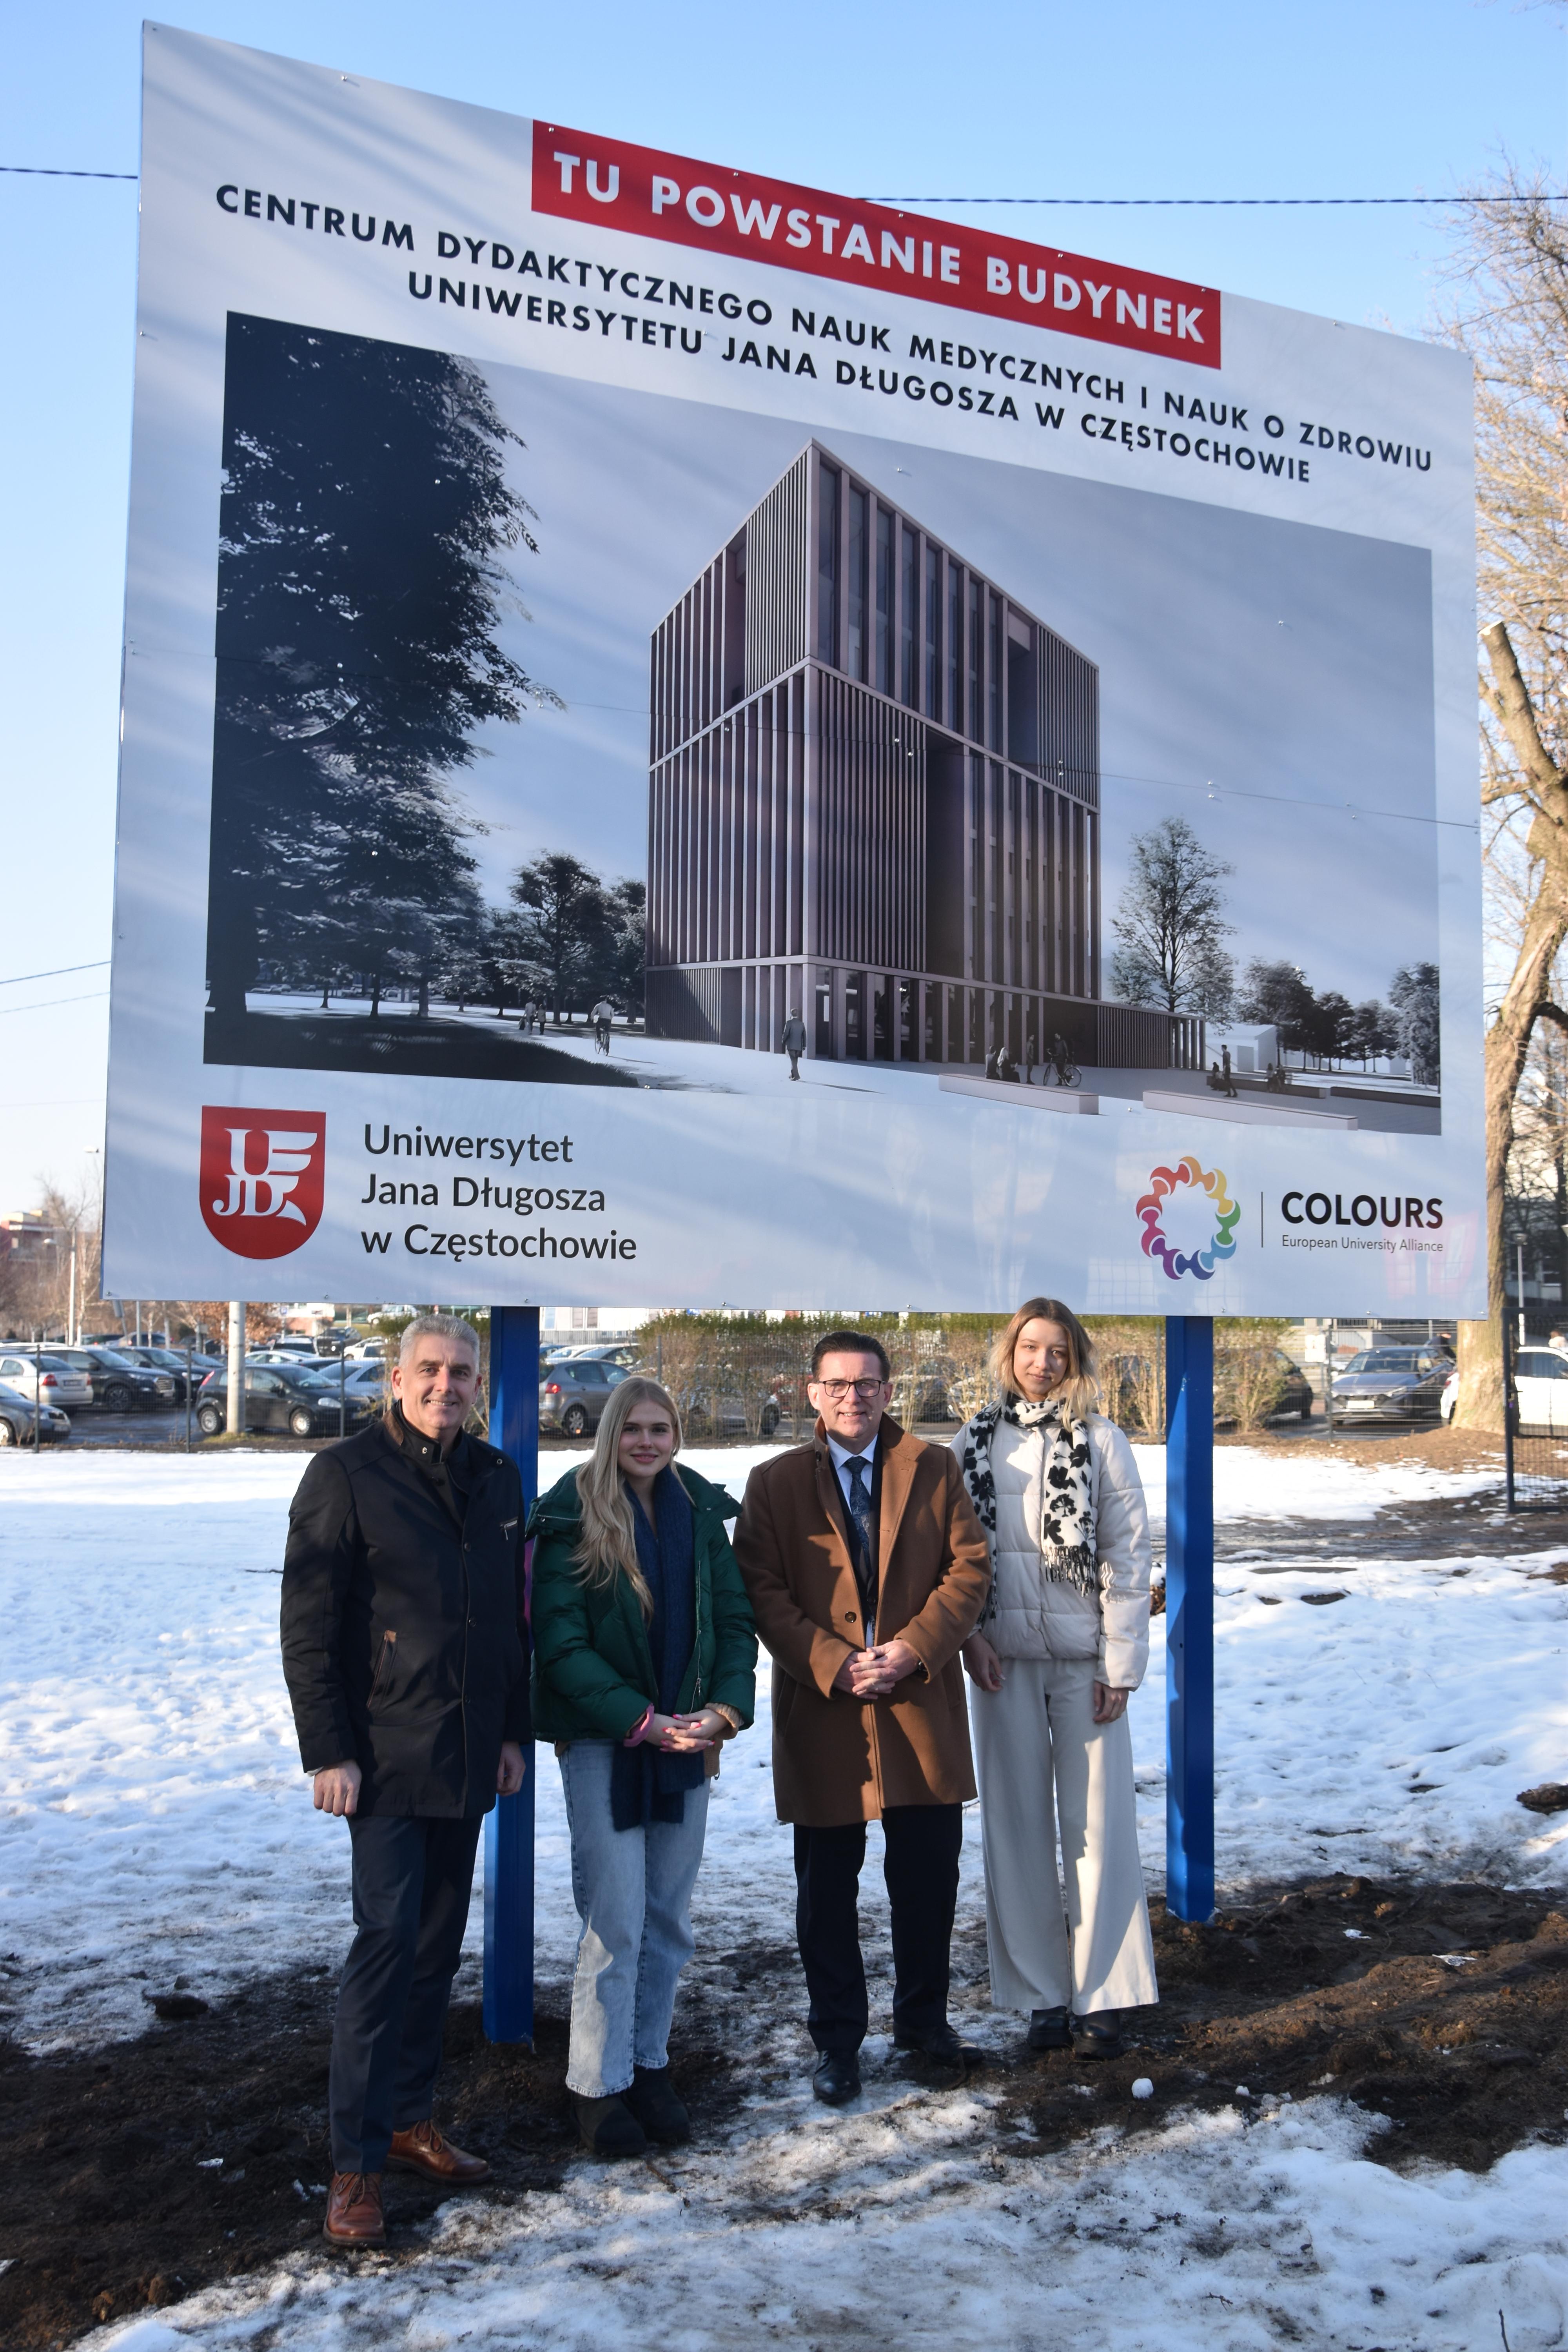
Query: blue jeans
{"points": [[633, 1893]]}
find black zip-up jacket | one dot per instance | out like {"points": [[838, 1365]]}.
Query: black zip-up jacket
{"points": [[405, 1645]]}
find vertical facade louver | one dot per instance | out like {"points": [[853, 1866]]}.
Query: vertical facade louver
{"points": [[875, 798]]}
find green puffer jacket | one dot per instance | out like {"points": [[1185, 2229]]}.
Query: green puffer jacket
{"points": [[593, 1668]]}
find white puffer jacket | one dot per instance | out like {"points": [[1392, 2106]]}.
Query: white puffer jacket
{"points": [[1035, 1617]]}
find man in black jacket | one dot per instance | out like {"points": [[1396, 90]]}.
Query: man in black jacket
{"points": [[405, 1653]]}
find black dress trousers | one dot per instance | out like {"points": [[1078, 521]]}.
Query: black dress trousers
{"points": [[413, 1877], [921, 1867]]}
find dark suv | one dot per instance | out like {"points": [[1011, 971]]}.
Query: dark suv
{"points": [[573, 1395], [284, 1402], [119, 1384]]}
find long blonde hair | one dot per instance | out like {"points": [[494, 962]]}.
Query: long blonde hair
{"points": [[608, 1546], [1078, 1391]]}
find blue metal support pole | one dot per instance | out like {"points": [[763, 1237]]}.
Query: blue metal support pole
{"points": [[1189, 1616], [508, 1827]]}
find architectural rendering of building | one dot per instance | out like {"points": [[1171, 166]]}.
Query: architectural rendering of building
{"points": [[874, 795]]}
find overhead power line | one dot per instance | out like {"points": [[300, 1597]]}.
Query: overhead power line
{"points": [[61, 172], [94, 997], [56, 972], [1543, 198]]}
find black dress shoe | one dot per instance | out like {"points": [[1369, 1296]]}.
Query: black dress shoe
{"points": [[1048, 2030], [1099, 2036], [837, 2077], [941, 2045], [656, 2106]]}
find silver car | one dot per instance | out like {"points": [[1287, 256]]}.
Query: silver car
{"points": [[62, 1383]]}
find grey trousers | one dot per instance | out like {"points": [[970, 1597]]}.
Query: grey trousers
{"points": [[1052, 1781]]}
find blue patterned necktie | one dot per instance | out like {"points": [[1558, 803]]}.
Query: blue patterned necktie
{"points": [[860, 1512]]}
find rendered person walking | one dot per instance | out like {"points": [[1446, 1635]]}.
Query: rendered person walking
{"points": [[867, 1568], [405, 1651], [1063, 1642], [645, 1658], [792, 1040]]}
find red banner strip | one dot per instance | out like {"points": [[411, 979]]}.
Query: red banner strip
{"points": [[580, 176]]}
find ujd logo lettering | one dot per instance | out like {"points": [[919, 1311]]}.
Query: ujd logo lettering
{"points": [[262, 1176], [1177, 1187]]}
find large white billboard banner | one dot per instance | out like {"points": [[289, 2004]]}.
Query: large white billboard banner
{"points": [[689, 739]]}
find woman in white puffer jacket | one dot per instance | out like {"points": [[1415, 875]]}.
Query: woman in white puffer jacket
{"points": [[1063, 1643]]}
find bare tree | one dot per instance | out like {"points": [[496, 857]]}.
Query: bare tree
{"points": [[1508, 305]]}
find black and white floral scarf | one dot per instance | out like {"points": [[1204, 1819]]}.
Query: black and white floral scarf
{"points": [[1067, 1519]]}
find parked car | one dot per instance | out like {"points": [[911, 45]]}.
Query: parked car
{"points": [[1449, 1397], [20, 1420], [1393, 1384], [1540, 1385], [61, 1386], [572, 1395], [118, 1385], [617, 1351], [362, 1350], [282, 1399], [172, 1361]]}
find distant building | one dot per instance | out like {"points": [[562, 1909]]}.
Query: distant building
{"points": [[874, 794], [26, 1238]]}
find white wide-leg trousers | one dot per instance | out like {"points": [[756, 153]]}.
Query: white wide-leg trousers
{"points": [[1051, 1778]]}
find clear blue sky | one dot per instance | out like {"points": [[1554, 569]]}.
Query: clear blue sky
{"points": [[1130, 98]]}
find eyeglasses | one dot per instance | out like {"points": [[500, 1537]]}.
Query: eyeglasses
{"points": [[838, 1390]]}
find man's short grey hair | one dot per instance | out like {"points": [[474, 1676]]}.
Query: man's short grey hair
{"points": [[436, 1326]]}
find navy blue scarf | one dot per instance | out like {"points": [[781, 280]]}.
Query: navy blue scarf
{"points": [[646, 1783]]}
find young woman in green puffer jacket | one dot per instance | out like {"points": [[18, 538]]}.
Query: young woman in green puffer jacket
{"points": [[645, 1657]]}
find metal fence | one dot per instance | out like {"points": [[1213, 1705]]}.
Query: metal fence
{"points": [[1535, 1454]]}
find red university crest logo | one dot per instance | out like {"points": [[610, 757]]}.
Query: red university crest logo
{"points": [[262, 1176]]}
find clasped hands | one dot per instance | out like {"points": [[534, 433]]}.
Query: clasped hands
{"points": [[872, 1673], [686, 1734]]}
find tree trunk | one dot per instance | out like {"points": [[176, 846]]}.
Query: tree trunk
{"points": [[423, 1007], [375, 997], [1479, 1403]]}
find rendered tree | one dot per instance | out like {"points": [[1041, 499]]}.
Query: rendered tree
{"points": [[1170, 922], [365, 516], [1415, 998], [1278, 995], [565, 928]]}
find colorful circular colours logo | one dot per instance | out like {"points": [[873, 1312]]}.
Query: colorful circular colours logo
{"points": [[1165, 1185]]}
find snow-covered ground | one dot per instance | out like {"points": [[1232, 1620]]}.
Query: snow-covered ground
{"points": [[154, 1824]]}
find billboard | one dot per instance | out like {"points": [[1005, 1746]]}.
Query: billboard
{"points": [[690, 738]]}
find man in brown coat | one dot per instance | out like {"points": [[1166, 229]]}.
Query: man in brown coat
{"points": [[868, 1571]]}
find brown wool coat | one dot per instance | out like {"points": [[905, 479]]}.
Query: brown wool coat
{"points": [[837, 1758]]}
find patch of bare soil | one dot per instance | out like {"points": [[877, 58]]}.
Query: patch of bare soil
{"points": [[1443, 2008]]}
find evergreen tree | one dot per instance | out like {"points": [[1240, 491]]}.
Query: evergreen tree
{"points": [[365, 512], [1415, 998]]}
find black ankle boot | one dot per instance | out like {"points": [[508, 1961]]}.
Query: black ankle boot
{"points": [[656, 2106], [1048, 2030], [1099, 2036]]}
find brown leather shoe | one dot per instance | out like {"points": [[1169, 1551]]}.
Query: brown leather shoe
{"points": [[354, 2217], [424, 2147]]}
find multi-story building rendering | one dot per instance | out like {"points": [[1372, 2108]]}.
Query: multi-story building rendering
{"points": [[874, 795]]}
